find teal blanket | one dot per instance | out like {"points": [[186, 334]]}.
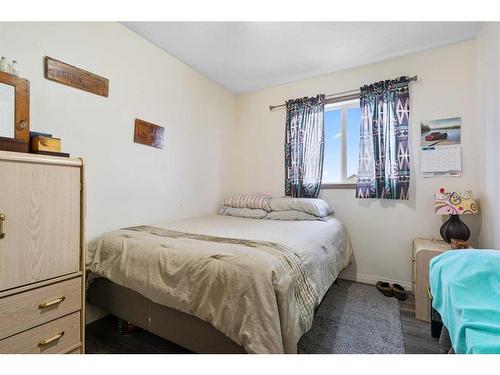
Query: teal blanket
{"points": [[465, 285]]}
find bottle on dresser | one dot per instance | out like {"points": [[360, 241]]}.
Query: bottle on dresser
{"points": [[11, 68], [4, 65]]}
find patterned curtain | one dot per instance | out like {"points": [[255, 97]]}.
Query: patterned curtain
{"points": [[384, 157], [304, 142]]}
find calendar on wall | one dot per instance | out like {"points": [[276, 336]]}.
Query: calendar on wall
{"points": [[440, 147]]}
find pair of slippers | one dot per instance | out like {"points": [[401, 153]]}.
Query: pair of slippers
{"points": [[392, 290]]}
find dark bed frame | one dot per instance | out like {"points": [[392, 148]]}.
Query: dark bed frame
{"points": [[180, 328]]}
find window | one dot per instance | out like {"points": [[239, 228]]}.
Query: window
{"points": [[342, 123]]}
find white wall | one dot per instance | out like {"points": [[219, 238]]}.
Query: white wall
{"points": [[488, 68], [128, 183], [381, 231], [218, 144]]}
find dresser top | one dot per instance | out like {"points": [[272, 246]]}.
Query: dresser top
{"points": [[40, 159]]}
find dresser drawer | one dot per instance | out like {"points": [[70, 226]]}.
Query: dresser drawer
{"points": [[53, 337], [23, 311], [78, 350]]}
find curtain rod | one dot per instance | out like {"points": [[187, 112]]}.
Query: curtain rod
{"points": [[271, 107]]}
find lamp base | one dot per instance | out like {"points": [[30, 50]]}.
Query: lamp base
{"points": [[454, 228]]}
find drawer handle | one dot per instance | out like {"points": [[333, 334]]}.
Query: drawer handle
{"points": [[51, 339], [2, 219], [51, 302]]}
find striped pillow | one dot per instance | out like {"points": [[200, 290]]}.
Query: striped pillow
{"points": [[256, 200], [249, 213], [295, 215]]}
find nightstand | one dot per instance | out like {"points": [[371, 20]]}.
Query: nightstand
{"points": [[423, 250]]}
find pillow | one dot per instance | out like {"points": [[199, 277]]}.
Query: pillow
{"points": [[313, 206], [256, 200], [294, 215], [250, 213]]}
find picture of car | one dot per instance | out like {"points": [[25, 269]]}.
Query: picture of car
{"points": [[435, 136]]}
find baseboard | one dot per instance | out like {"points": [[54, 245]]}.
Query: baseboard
{"points": [[371, 279]]}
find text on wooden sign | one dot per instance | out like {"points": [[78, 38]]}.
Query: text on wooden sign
{"points": [[70, 75]]}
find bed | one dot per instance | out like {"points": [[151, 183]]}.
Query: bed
{"points": [[465, 290], [219, 284]]}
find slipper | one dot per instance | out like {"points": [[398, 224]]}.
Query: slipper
{"points": [[399, 292], [385, 288]]}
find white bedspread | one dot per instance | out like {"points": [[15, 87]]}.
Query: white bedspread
{"points": [[260, 292]]}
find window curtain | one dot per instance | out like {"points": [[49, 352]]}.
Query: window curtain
{"points": [[384, 157], [304, 146]]}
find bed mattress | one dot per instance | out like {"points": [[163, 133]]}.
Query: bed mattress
{"points": [[256, 281]]}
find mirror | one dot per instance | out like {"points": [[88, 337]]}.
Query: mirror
{"points": [[14, 113], [7, 110]]}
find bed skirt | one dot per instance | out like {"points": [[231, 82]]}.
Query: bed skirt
{"points": [[180, 328]]}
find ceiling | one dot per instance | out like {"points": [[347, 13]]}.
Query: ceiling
{"points": [[246, 56]]}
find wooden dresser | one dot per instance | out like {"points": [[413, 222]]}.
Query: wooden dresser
{"points": [[423, 250], [42, 249]]}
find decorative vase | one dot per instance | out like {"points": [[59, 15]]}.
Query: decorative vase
{"points": [[454, 228]]}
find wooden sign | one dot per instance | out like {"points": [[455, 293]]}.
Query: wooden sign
{"points": [[75, 77], [149, 134]]}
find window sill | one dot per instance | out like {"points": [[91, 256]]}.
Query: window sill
{"points": [[339, 186]]}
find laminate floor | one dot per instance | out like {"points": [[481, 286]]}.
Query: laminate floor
{"points": [[417, 334]]}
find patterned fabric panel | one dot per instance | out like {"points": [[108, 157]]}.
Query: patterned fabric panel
{"points": [[304, 143], [384, 156], [295, 215], [250, 213], [256, 200]]}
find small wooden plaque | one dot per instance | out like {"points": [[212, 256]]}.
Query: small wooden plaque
{"points": [[70, 75], [148, 134]]}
